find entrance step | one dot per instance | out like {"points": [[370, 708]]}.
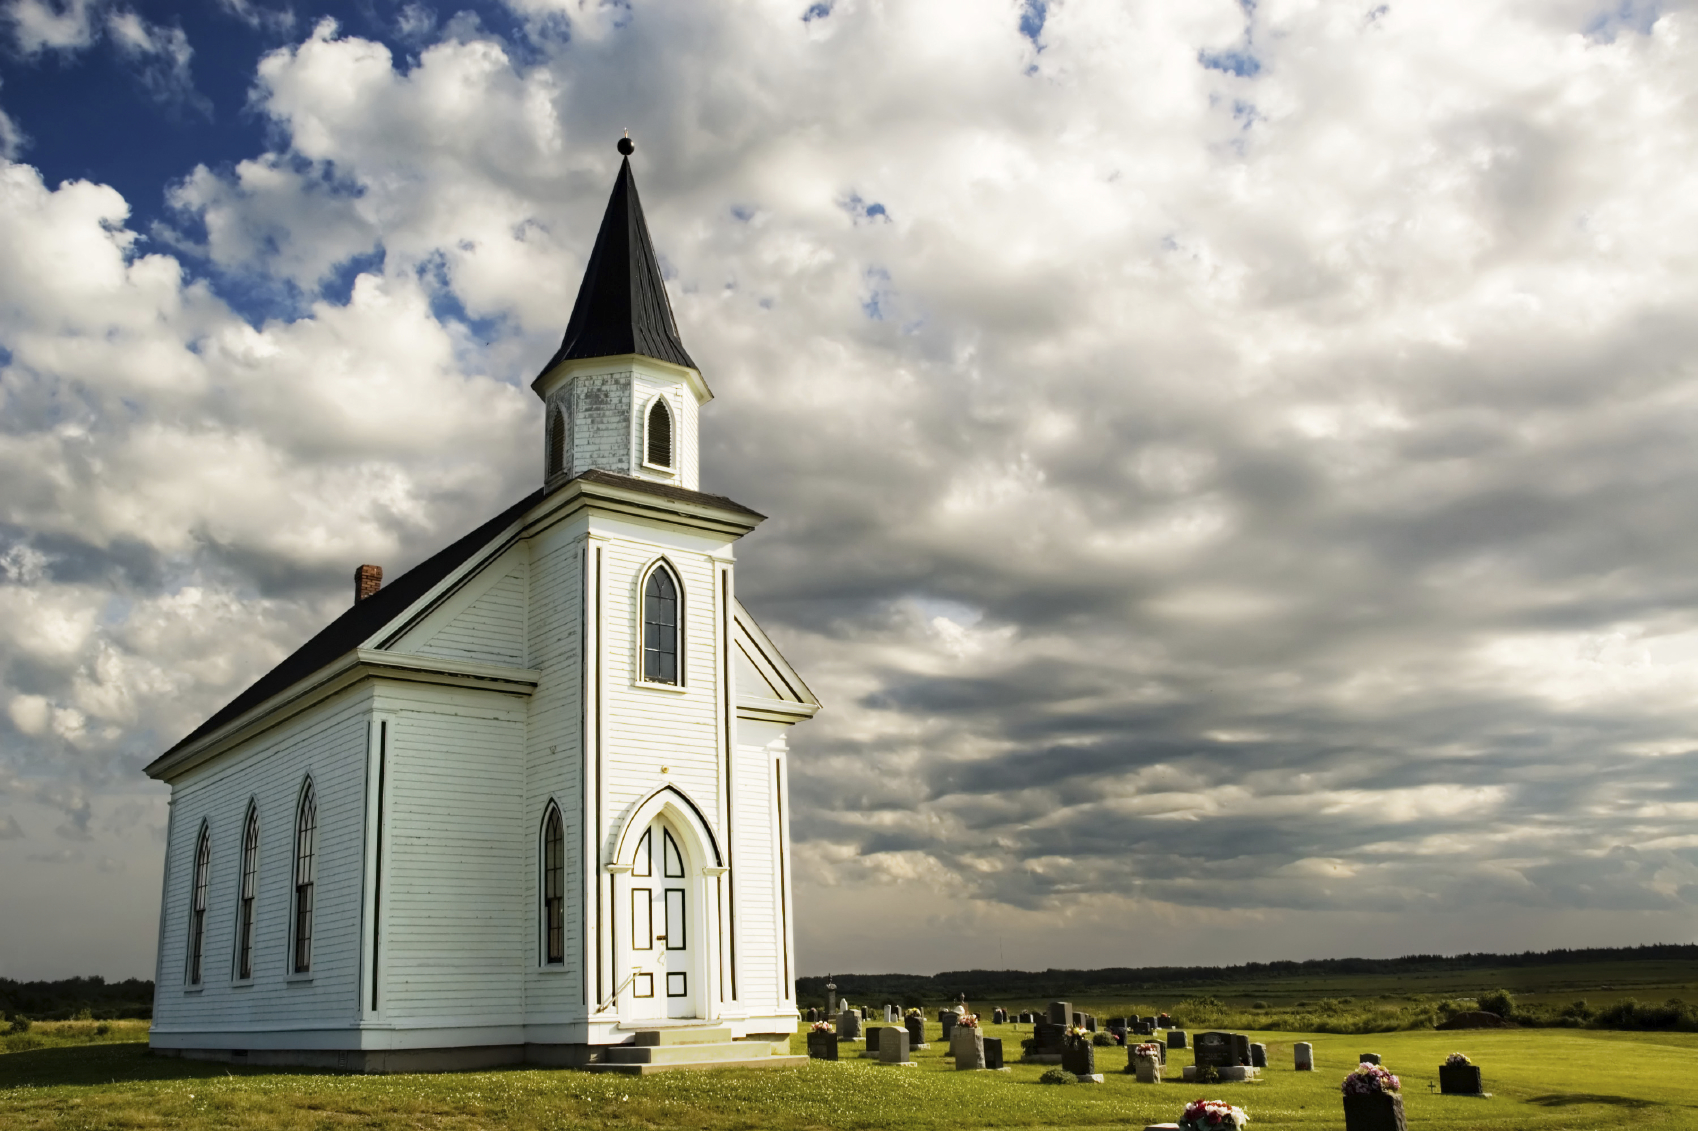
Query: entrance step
{"points": [[694, 1035]]}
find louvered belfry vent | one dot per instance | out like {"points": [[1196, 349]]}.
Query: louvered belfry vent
{"points": [[660, 435]]}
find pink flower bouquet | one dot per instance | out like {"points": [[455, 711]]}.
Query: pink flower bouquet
{"points": [[1212, 1115], [1370, 1080]]}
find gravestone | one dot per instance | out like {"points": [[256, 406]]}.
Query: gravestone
{"points": [[1370, 1058], [822, 1045], [849, 1026], [1164, 1021], [948, 1018], [893, 1046], [1048, 1041], [864, 1012], [942, 1013], [1142, 1030], [1027, 1018], [830, 996], [993, 1052], [1091, 1022], [890, 1013], [1176, 1038], [916, 1028], [967, 1046], [1303, 1056], [1147, 1068], [1214, 1050], [1241, 1049], [813, 1015], [1163, 1046], [1079, 1058], [999, 1017], [1061, 1013], [1258, 1056], [1078, 1020]]}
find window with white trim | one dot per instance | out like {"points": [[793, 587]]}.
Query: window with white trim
{"points": [[197, 904], [554, 887], [660, 627], [248, 893], [306, 838]]}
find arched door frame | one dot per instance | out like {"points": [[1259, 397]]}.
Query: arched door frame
{"points": [[704, 870]]}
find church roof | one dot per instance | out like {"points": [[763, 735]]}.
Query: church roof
{"points": [[622, 306], [364, 620]]}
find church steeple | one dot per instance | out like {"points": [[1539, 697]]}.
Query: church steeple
{"points": [[621, 393], [622, 306]]}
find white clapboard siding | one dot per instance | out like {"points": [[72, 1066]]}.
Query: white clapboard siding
{"points": [[646, 728], [553, 742], [685, 413], [455, 924], [328, 743], [490, 630], [756, 863]]}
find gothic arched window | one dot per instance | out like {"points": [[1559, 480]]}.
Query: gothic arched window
{"points": [[197, 904], [660, 627], [556, 442], [658, 451], [250, 884], [306, 838], [554, 886]]}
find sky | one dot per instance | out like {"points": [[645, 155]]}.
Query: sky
{"points": [[1231, 464]]}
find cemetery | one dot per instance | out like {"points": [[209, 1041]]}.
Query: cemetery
{"points": [[61, 1074]]}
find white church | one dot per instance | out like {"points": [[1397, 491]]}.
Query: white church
{"points": [[527, 802]]}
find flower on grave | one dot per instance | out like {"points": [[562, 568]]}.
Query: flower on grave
{"points": [[914, 1013], [1079, 1032], [1148, 1048], [822, 1027], [1370, 1080], [1212, 1115], [1457, 1060], [967, 1021]]}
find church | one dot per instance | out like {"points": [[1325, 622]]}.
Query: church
{"points": [[527, 802]]}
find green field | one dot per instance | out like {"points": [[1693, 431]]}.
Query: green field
{"points": [[1541, 1078]]}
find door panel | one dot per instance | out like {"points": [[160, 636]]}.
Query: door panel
{"points": [[661, 914]]}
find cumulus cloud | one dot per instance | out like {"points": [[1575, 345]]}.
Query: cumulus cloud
{"points": [[1226, 460]]}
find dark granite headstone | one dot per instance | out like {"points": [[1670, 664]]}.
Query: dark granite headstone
{"points": [[1091, 1022], [916, 1027], [1369, 1058], [1176, 1038], [1214, 1050], [1079, 1058], [1241, 1048], [999, 1017], [1027, 1018], [1116, 1023], [1164, 1021], [849, 1025], [1258, 1055], [1061, 1013], [948, 1018], [993, 1052], [1078, 1020], [822, 1045], [1050, 1038]]}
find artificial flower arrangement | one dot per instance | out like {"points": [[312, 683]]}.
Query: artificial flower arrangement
{"points": [[967, 1021], [1079, 1033], [1212, 1115], [822, 1027], [913, 1013], [1370, 1080], [1457, 1060], [1148, 1048]]}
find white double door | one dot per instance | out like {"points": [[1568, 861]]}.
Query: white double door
{"points": [[663, 948]]}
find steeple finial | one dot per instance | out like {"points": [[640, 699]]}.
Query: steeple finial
{"points": [[626, 145]]}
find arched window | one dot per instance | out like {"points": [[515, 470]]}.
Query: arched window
{"points": [[245, 909], [197, 905], [306, 837], [659, 448], [556, 442], [554, 886], [660, 627]]}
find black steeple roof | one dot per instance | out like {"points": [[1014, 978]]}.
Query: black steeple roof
{"points": [[622, 305]]}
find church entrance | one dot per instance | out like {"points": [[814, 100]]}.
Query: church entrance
{"points": [[663, 942]]}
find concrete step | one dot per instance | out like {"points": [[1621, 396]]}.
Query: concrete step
{"points": [[679, 1054], [651, 1069], [685, 1035]]}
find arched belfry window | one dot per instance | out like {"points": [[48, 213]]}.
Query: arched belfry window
{"points": [[660, 627], [658, 451], [249, 889], [556, 442], [197, 904], [306, 843], [554, 886]]}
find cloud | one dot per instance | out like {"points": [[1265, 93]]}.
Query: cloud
{"points": [[1205, 494], [10, 829], [158, 56]]}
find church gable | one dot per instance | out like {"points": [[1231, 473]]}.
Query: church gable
{"points": [[484, 621], [762, 671]]}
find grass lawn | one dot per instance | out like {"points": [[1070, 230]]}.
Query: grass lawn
{"points": [[1542, 1078]]}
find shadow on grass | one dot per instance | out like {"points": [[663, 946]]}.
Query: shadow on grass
{"points": [[1570, 1099], [114, 1063]]}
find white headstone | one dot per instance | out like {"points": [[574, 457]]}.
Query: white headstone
{"points": [[1304, 1054]]}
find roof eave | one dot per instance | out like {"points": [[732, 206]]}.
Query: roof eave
{"points": [[559, 373]]}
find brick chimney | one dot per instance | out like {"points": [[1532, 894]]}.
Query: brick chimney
{"points": [[368, 579]]}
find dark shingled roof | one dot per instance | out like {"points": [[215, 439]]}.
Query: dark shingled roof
{"points": [[622, 306], [355, 626]]}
